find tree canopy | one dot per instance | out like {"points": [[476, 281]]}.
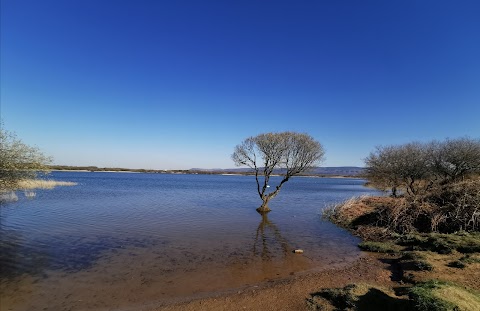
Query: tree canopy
{"points": [[287, 154], [19, 161], [454, 159]]}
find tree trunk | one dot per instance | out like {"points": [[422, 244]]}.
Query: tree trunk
{"points": [[263, 209]]}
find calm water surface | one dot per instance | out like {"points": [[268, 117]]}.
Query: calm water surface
{"points": [[120, 240]]}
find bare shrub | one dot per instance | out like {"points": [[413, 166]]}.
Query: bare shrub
{"points": [[398, 167], [455, 159], [373, 233], [455, 209], [458, 205], [417, 168], [375, 218], [439, 183], [406, 216]]}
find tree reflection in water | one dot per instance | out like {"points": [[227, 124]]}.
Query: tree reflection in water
{"points": [[269, 239]]}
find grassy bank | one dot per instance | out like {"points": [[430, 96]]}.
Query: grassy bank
{"points": [[434, 271]]}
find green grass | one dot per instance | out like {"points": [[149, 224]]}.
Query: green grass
{"points": [[411, 239], [464, 261], [415, 264], [341, 298], [424, 299], [443, 296], [412, 256], [432, 295], [422, 265], [379, 247], [470, 259], [442, 243]]}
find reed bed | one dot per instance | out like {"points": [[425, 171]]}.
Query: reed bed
{"points": [[43, 184]]}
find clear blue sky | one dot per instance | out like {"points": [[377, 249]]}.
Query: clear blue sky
{"points": [[177, 84]]}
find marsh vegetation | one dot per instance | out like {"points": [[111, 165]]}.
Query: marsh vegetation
{"points": [[428, 228]]}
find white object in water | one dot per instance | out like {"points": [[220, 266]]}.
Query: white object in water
{"points": [[30, 194], [298, 251]]}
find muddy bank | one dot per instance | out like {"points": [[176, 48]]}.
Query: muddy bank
{"points": [[289, 294]]}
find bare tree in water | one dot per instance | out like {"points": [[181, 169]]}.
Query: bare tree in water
{"points": [[287, 154]]}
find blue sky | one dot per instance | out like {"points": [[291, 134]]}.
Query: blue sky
{"points": [[177, 84]]}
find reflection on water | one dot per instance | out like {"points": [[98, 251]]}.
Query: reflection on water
{"points": [[6, 197], [268, 236], [119, 240]]}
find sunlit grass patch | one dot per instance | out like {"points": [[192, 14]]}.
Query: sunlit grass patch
{"points": [[360, 297], [442, 296]]}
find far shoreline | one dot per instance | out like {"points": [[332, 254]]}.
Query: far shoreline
{"points": [[94, 169]]}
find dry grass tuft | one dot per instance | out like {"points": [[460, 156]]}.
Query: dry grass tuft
{"points": [[346, 212]]}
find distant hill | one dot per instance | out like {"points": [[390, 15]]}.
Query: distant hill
{"points": [[328, 171]]}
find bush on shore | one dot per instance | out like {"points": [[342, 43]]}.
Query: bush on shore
{"points": [[449, 208], [434, 187], [19, 161]]}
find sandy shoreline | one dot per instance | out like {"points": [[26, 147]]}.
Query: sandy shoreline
{"points": [[287, 294]]}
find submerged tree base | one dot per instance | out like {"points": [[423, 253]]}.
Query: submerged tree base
{"points": [[262, 210]]}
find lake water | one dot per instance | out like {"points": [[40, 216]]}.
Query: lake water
{"points": [[126, 240]]}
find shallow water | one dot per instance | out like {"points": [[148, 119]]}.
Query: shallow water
{"points": [[120, 240]]}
